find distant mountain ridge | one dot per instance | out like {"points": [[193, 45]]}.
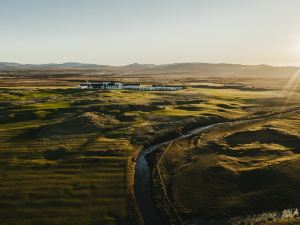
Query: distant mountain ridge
{"points": [[189, 68], [8, 65]]}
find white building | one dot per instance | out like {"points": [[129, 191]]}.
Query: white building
{"points": [[160, 88], [101, 85], [113, 85], [134, 86]]}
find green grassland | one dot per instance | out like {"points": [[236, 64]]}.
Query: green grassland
{"points": [[64, 152], [236, 169]]}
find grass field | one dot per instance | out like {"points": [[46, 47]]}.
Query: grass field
{"points": [[64, 152], [54, 168]]}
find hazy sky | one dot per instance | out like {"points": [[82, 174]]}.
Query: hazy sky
{"points": [[119, 32]]}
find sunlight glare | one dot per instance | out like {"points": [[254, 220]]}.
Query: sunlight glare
{"points": [[291, 86]]}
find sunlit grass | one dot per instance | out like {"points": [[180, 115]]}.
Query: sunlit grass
{"points": [[85, 181]]}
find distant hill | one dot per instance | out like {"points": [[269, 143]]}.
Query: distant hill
{"points": [[139, 66], [183, 68], [220, 69], [68, 65]]}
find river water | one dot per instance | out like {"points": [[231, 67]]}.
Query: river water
{"points": [[142, 180]]}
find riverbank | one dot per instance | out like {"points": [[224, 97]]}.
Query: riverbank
{"points": [[131, 163], [145, 175], [159, 192], [167, 210], [141, 154]]}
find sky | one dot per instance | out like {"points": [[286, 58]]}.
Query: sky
{"points": [[119, 32]]}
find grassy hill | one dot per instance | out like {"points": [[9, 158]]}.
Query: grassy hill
{"points": [[236, 169]]}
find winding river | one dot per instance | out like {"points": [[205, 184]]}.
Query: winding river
{"points": [[142, 180]]}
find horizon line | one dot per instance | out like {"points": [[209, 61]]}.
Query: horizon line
{"points": [[138, 63]]}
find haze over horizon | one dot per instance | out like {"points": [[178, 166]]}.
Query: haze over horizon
{"points": [[157, 32], [143, 64]]}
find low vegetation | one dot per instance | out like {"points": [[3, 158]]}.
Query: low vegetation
{"points": [[64, 152]]}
